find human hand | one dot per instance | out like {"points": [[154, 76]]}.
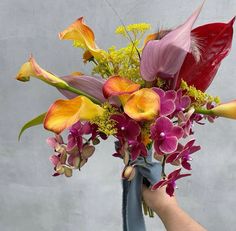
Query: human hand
{"points": [[159, 201]]}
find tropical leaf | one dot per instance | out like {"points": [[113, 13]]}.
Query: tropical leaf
{"points": [[34, 122]]}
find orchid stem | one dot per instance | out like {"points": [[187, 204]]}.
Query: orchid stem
{"points": [[78, 92], [203, 111]]}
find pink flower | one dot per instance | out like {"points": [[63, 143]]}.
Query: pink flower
{"points": [[165, 135], [184, 154], [170, 181]]}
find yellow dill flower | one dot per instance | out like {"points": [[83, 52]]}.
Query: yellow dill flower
{"points": [[103, 122], [135, 29], [201, 98], [124, 62]]}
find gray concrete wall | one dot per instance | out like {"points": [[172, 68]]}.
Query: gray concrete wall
{"points": [[30, 198]]}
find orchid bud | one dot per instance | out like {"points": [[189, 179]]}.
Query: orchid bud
{"points": [[87, 151], [128, 173], [60, 148], [68, 171], [60, 169]]}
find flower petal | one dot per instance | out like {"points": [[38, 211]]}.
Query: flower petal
{"points": [[64, 113], [169, 145], [79, 31], [227, 110], [117, 85], [215, 42], [143, 104], [32, 69], [164, 58], [91, 85]]}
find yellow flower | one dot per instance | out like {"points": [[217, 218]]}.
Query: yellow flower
{"points": [[227, 110], [83, 36], [64, 113], [32, 69]]}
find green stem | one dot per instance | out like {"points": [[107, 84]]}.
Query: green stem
{"points": [[204, 111], [78, 92]]}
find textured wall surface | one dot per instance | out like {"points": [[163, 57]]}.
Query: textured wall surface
{"points": [[30, 198]]}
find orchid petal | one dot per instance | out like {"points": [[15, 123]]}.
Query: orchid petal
{"points": [[64, 113], [164, 58], [227, 110], [143, 104], [79, 31], [32, 69], [169, 145]]}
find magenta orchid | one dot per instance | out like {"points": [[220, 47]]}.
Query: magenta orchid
{"points": [[165, 135], [183, 153], [170, 181]]}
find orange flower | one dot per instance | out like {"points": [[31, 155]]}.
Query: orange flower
{"points": [[64, 113], [32, 69], [80, 32], [227, 110], [143, 105]]}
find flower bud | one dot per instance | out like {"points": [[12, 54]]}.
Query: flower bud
{"points": [[128, 173], [87, 151], [68, 171], [60, 169]]}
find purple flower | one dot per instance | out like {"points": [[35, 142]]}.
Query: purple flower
{"points": [[170, 181], [127, 128], [165, 135], [167, 99], [164, 58], [183, 153], [75, 139], [137, 148], [182, 102]]}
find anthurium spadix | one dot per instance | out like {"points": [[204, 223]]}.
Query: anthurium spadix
{"points": [[78, 31], [163, 58], [64, 113]]}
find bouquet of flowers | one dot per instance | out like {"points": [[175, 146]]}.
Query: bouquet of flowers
{"points": [[148, 95]]}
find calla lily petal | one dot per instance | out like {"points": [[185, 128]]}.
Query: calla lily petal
{"points": [[89, 84], [164, 58], [79, 31], [64, 113], [143, 104], [215, 42], [227, 110], [32, 69], [117, 85]]}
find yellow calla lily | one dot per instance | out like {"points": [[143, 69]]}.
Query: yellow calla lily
{"points": [[78, 31], [64, 113], [32, 69], [227, 110], [143, 104]]}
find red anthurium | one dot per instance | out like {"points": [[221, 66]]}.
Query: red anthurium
{"points": [[215, 41]]}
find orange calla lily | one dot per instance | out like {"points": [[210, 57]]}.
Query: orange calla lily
{"points": [[32, 69], [117, 85], [64, 113], [80, 32], [143, 104], [227, 110]]}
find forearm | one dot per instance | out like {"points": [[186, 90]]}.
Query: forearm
{"points": [[175, 219]]}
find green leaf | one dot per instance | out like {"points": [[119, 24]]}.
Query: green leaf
{"points": [[34, 122]]}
